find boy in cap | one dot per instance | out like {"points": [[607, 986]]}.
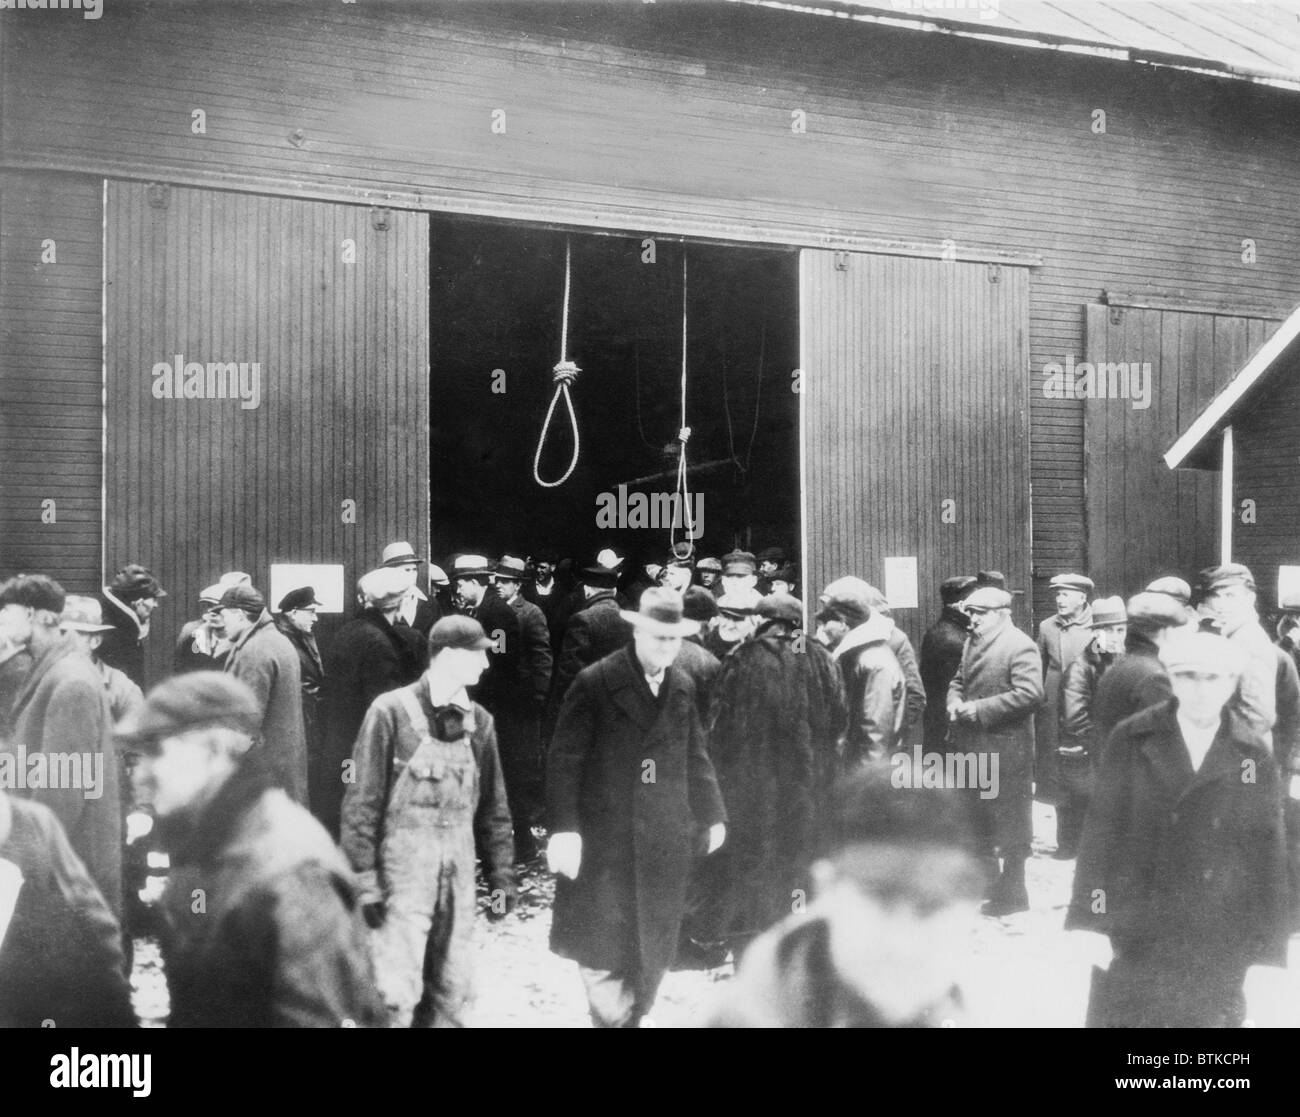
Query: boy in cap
{"points": [[709, 570], [262, 919], [631, 799], [1061, 639], [128, 602], [428, 783], [991, 704], [267, 663], [1182, 865], [61, 710], [1079, 744]]}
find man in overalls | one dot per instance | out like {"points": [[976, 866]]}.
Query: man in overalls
{"points": [[428, 781]]}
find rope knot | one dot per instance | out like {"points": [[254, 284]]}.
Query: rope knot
{"points": [[565, 373], [683, 435]]}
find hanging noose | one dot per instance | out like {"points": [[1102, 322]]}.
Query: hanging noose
{"points": [[683, 433], [564, 374]]}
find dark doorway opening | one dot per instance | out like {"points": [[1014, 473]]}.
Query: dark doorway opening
{"points": [[495, 305]]}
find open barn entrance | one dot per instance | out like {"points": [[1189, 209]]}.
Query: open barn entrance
{"points": [[496, 301]]}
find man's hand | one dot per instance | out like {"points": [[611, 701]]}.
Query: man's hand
{"points": [[962, 711], [564, 854], [717, 835], [373, 914]]}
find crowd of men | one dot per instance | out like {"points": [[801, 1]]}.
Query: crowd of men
{"points": [[712, 775]]}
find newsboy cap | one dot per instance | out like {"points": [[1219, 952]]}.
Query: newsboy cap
{"points": [[1176, 588], [709, 563], [304, 598], [1203, 652], [1072, 582], [1229, 574], [1153, 611], [245, 598], [383, 588], [984, 598], [457, 632], [195, 700], [35, 591], [781, 607], [846, 599], [738, 562]]}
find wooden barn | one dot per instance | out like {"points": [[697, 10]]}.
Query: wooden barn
{"points": [[1250, 435], [283, 282]]}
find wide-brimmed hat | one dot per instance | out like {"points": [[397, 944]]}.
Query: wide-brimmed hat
{"points": [[604, 572], [83, 614], [191, 701], [1108, 612], [740, 603], [512, 568], [134, 583], [661, 614], [399, 554], [438, 576], [471, 566]]}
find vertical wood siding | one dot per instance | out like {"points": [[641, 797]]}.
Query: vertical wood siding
{"points": [[1267, 472], [199, 486], [51, 373], [1144, 519], [915, 392]]}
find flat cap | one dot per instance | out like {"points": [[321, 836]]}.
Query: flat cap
{"points": [[384, 588], [1155, 610], [983, 598], [458, 632], [1176, 588], [740, 603], [191, 701], [848, 599], [781, 607], [1072, 582], [245, 598], [708, 563], [35, 591], [1229, 574], [738, 562]]}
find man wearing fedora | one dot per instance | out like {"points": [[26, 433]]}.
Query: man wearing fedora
{"points": [[519, 726], [428, 787], [84, 622], [593, 632], [368, 656], [991, 705], [1061, 638], [62, 708], [128, 601], [631, 800], [416, 610], [1182, 863], [770, 562], [264, 661], [1079, 744], [262, 922]]}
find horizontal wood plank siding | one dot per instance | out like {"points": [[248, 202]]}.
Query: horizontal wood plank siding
{"points": [[200, 486], [51, 376]]}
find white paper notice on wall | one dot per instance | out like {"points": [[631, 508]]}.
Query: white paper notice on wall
{"points": [[900, 582], [327, 581], [1288, 587]]}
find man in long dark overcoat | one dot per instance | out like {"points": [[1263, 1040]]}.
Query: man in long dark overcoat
{"points": [[632, 798], [991, 702], [941, 649], [1182, 863]]}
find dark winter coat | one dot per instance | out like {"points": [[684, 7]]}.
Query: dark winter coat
{"points": [[267, 663], [536, 660], [13, 673], [941, 648], [1136, 682], [1078, 728], [701, 667], [366, 658], [914, 699], [1286, 731], [1002, 675], [591, 635], [1183, 869], [1059, 644], [122, 648], [63, 707], [775, 727], [504, 688], [262, 920], [631, 774], [550, 604], [311, 670], [61, 957]]}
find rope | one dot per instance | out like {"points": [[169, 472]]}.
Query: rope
{"points": [[563, 375], [682, 492]]}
